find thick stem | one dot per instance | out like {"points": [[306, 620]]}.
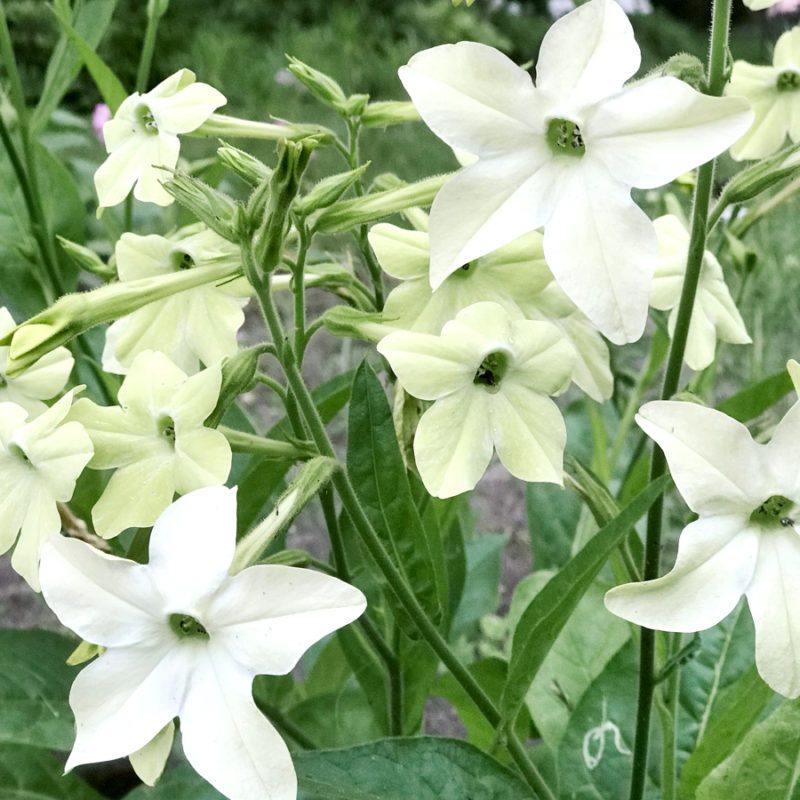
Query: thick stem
{"points": [[697, 244]]}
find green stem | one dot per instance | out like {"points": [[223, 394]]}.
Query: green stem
{"points": [[298, 288], [667, 706], [271, 383], [146, 58], [378, 552], [697, 244]]}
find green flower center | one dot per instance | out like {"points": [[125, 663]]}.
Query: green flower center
{"points": [[491, 371], [565, 138], [788, 81], [146, 119], [773, 512], [17, 452], [3, 381], [166, 428], [187, 627], [181, 260]]}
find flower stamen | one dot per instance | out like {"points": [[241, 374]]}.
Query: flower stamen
{"points": [[187, 627], [772, 512], [491, 371], [788, 81], [565, 138]]}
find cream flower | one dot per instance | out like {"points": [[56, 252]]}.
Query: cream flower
{"points": [[760, 5], [40, 461], [184, 639], [488, 376], [564, 154], [714, 315], [745, 542], [143, 136], [515, 276], [774, 93], [195, 326], [41, 381], [155, 440]]}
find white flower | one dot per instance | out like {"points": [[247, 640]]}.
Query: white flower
{"points": [[192, 327], [41, 381], [760, 5], [514, 276], [184, 639], [155, 440], [40, 461], [564, 155], [745, 542], [714, 315], [489, 376], [774, 94], [143, 136]]}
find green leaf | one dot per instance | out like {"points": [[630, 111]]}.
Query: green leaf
{"points": [[259, 481], [108, 84], [28, 773], [378, 472], [34, 687], [594, 757], [553, 515], [422, 768], [754, 400], [765, 765], [736, 714], [549, 611], [90, 23], [588, 641]]}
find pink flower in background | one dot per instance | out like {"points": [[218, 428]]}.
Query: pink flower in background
{"points": [[784, 7], [100, 115]]}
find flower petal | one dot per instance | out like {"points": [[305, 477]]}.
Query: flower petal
{"points": [[587, 54], [192, 546], [227, 739], [543, 358], [592, 371], [428, 366], [186, 110], [715, 564], [401, 253], [41, 521], [474, 98], [47, 377], [122, 700], [60, 457], [488, 205], [602, 250], [116, 176], [151, 384], [787, 50], [781, 454], [134, 497], [268, 616], [202, 458], [106, 600], [453, 443], [774, 599], [655, 131], [529, 434], [196, 399], [156, 154], [715, 463]]}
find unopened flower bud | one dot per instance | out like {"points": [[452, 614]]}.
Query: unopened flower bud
{"points": [[209, 205], [353, 323], [389, 112], [247, 167], [354, 106], [322, 86], [687, 68], [87, 259], [238, 374], [328, 191]]}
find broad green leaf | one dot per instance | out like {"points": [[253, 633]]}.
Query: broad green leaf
{"points": [[481, 594], [29, 773], [378, 472], [90, 22], [754, 400], [736, 714], [108, 84], [34, 687], [548, 612], [261, 479], [588, 641], [765, 765], [553, 515], [422, 768], [594, 757]]}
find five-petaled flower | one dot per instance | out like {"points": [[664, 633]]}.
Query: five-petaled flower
{"points": [[156, 441], [745, 542], [142, 138], [774, 94], [184, 639], [564, 154], [488, 376]]}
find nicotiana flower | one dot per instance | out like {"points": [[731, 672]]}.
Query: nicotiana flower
{"points": [[515, 276], [40, 461], [714, 315], [564, 154], [184, 639], [143, 136], [745, 542], [156, 441], [488, 376], [774, 94], [192, 327], [41, 381]]}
